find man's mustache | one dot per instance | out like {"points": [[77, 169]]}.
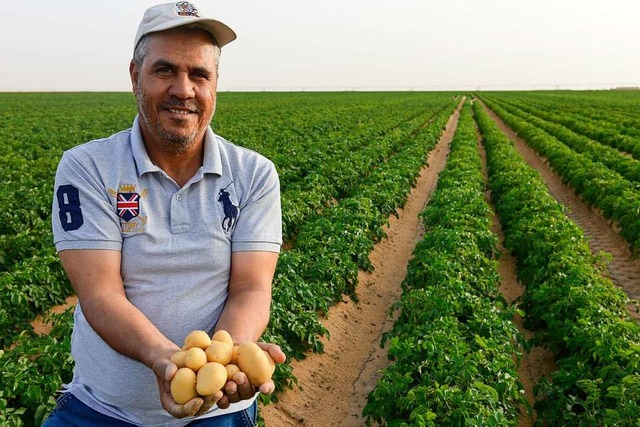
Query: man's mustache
{"points": [[177, 103]]}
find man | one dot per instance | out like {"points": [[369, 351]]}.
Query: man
{"points": [[163, 229]]}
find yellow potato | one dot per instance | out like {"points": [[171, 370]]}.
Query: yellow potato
{"points": [[211, 378], [223, 336], [219, 352], [195, 358], [231, 370], [198, 339], [234, 355], [183, 386], [178, 358], [256, 363]]}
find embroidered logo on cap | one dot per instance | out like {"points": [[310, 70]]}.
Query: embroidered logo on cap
{"points": [[187, 9]]}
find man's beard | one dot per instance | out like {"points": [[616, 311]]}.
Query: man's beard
{"points": [[168, 142]]}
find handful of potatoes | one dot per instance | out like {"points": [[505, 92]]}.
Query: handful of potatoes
{"points": [[205, 364]]}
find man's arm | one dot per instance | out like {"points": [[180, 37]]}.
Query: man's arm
{"points": [[95, 276], [96, 279], [246, 314], [246, 311]]}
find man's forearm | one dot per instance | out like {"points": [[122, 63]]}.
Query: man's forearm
{"points": [[246, 315], [246, 312], [125, 328], [96, 278]]}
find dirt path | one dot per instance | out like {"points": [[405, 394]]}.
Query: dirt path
{"points": [[333, 386], [623, 269]]}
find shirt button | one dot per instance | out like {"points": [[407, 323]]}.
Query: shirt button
{"points": [[178, 197]]}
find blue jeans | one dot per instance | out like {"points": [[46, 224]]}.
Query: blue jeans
{"points": [[70, 411]]}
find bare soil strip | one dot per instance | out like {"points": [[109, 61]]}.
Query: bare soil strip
{"points": [[624, 269], [333, 387]]}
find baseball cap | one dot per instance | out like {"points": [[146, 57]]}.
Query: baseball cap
{"points": [[171, 15]]}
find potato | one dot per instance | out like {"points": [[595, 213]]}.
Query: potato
{"points": [[195, 358], [178, 358], [198, 339], [219, 352], [183, 386], [256, 363], [211, 378], [231, 370], [234, 355], [222, 336]]}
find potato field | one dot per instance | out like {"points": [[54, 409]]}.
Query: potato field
{"points": [[515, 302]]}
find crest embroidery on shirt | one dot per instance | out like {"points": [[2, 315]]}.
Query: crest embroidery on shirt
{"points": [[128, 208]]}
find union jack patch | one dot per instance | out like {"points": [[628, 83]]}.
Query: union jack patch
{"points": [[128, 205]]}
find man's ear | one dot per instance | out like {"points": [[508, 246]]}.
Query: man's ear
{"points": [[134, 73]]}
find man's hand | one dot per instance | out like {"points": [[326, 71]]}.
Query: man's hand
{"points": [[165, 370], [240, 388]]}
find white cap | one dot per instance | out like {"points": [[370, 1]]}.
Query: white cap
{"points": [[171, 15]]}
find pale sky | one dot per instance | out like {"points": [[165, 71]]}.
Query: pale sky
{"points": [[73, 45]]}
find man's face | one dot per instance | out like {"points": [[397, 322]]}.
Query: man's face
{"points": [[175, 88]]}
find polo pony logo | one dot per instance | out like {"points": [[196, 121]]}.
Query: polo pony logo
{"points": [[230, 210], [187, 9]]}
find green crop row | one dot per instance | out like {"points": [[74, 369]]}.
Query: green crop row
{"points": [[33, 370], [626, 166], [616, 111], [334, 177], [609, 128], [575, 309], [303, 132], [607, 190], [453, 348]]}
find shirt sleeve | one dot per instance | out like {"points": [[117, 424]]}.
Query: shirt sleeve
{"points": [[259, 226], [82, 216]]}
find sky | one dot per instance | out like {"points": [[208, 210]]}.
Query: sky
{"points": [[73, 45]]}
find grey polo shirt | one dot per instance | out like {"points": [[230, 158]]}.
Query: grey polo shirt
{"points": [[176, 245]]}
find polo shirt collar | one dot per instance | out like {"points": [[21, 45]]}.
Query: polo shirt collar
{"points": [[212, 162], [140, 155]]}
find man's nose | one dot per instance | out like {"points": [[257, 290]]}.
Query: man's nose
{"points": [[182, 87]]}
